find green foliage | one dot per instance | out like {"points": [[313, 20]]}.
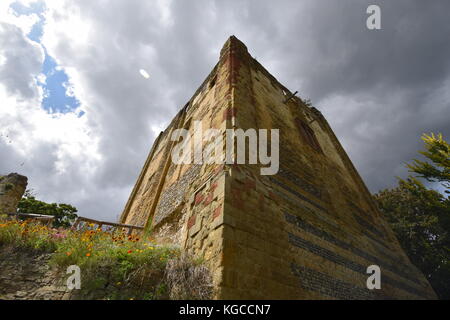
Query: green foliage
{"points": [[25, 235], [438, 151], [420, 217], [64, 214], [307, 102], [113, 265], [132, 270]]}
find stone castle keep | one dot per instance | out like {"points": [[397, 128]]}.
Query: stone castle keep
{"points": [[308, 232]]}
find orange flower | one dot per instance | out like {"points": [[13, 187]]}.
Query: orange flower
{"points": [[130, 251], [68, 253], [88, 254]]}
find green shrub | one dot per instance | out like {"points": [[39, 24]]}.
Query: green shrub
{"points": [[114, 265]]}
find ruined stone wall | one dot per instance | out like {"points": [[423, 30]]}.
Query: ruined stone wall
{"points": [[308, 232], [12, 188], [311, 230], [183, 203], [27, 275]]}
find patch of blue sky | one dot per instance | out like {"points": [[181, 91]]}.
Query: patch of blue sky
{"points": [[439, 187], [37, 8], [56, 97], [36, 31]]}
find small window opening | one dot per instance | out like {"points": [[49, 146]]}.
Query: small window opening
{"points": [[308, 134], [212, 82]]}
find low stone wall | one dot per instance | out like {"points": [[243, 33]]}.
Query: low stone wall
{"points": [[26, 275]]}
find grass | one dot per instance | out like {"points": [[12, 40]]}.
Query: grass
{"points": [[114, 265]]}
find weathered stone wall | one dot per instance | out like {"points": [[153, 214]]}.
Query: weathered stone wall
{"points": [[183, 204], [12, 188], [308, 232], [26, 275]]}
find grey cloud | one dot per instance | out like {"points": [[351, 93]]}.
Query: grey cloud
{"points": [[378, 89], [23, 61]]}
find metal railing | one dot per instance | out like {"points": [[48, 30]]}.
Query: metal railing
{"points": [[79, 222], [100, 224], [47, 219]]}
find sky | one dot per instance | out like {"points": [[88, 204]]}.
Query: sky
{"points": [[86, 86]]}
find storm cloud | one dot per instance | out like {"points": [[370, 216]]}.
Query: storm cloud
{"points": [[379, 89]]}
